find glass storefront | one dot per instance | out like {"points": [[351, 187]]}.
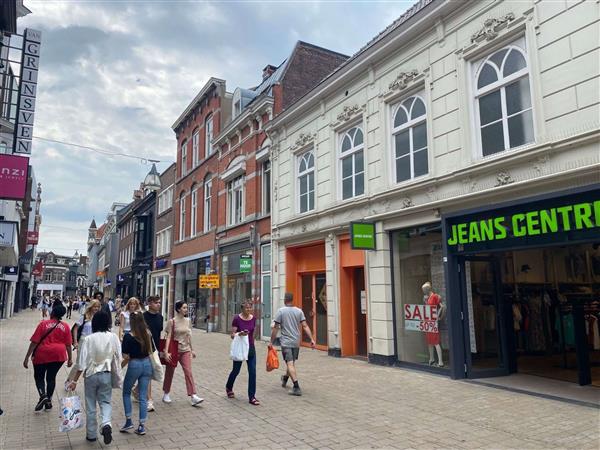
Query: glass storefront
{"points": [[186, 288], [421, 319], [235, 288]]}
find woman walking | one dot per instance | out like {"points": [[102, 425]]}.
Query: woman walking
{"points": [[136, 350], [244, 324], [133, 305], [81, 329], [179, 328], [96, 355], [50, 347]]}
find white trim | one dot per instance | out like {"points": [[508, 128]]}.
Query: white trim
{"points": [[307, 172], [262, 154], [354, 149], [193, 257], [236, 168]]}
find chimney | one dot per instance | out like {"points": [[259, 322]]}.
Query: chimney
{"points": [[268, 71], [137, 194]]}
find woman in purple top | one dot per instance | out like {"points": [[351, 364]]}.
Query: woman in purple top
{"points": [[244, 325]]}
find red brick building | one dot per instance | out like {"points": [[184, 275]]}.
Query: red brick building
{"points": [[244, 182]]}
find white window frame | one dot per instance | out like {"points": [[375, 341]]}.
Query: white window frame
{"points": [[266, 187], [163, 241], [182, 217], [196, 147], [208, 135], [477, 66], [351, 154], [207, 204], [184, 156], [235, 191], [306, 173], [194, 212], [411, 123]]}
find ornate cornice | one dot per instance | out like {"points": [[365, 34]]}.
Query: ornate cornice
{"points": [[349, 113], [504, 178], [303, 140], [491, 26], [403, 79]]}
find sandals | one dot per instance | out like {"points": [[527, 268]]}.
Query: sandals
{"points": [[230, 394], [254, 402]]}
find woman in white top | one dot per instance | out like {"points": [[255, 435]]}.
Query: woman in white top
{"points": [[81, 329], [133, 305], [97, 352]]}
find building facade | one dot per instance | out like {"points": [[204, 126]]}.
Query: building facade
{"points": [[161, 277], [466, 134]]}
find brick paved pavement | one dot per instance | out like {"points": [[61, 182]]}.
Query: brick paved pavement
{"points": [[346, 404]]}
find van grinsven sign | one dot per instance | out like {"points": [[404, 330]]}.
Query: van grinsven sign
{"points": [[30, 58]]}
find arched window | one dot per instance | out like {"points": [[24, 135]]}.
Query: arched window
{"points": [[352, 164], [182, 216], [503, 100], [409, 130], [207, 202], [194, 211], [306, 181], [208, 135]]}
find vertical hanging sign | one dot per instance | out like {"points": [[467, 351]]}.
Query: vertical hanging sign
{"points": [[30, 58]]}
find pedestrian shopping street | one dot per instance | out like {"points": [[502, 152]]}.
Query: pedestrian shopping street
{"points": [[347, 403]]}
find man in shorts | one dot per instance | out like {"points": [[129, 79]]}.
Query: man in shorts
{"points": [[289, 319]]}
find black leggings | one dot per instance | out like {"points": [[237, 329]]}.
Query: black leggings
{"points": [[48, 370]]}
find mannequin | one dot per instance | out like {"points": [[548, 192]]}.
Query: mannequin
{"points": [[433, 339]]}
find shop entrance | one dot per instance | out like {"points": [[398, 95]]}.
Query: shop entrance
{"points": [[314, 306], [239, 288], [535, 312]]}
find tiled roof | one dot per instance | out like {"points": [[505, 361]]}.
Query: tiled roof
{"points": [[100, 231]]}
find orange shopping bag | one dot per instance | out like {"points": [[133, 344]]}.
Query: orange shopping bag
{"points": [[272, 359]]}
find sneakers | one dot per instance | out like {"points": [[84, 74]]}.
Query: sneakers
{"points": [[196, 400], [128, 426], [48, 405], [296, 391], [89, 439], [141, 429], [167, 398], [107, 433], [150, 406], [41, 403], [284, 380]]}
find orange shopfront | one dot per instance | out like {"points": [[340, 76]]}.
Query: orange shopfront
{"points": [[305, 278]]}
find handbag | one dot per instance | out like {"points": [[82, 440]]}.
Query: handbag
{"points": [[71, 415], [240, 346], [173, 349], [158, 371]]}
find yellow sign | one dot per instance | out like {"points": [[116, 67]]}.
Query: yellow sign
{"points": [[209, 281]]}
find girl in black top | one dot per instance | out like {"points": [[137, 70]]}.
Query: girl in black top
{"points": [[136, 349]]}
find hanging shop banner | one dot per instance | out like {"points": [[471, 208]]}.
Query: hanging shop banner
{"points": [[563, 218], [14, 171], [32, 237], [245, 263], [8, 230], [38, 269], [210, 281], [30, 59], [362, 235], [422, 318]]}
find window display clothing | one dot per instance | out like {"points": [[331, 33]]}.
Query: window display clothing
{"points": [[433, 300]]}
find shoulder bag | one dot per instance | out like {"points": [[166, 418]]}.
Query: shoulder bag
{"points": [[173, 348], [158, 371]]}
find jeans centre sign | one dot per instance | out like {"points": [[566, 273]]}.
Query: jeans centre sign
{"points": [[30, 57]]}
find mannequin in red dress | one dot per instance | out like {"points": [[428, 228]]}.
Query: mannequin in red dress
{"points": [[433, 339]]}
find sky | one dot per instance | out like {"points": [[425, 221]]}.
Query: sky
{"points": [[116, 74]]}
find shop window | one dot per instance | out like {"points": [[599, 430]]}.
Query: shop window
{"points": [[422, 326], [503, 100], [409, 131], [207, 202], [235, 197], [306, 182], [352, 165]]}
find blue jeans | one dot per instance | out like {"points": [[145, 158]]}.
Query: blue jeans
{"points": [[237, 365], [98, 389], [139, 370]]}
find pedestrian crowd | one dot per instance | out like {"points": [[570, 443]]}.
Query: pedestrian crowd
{"points": [[140, 350]]}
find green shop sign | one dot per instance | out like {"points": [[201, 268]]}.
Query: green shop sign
{"points": [[245, 264], [551, 220], [362, 235]]}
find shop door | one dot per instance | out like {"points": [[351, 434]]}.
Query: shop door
{"points": [[485, 318], [314, 305], [238, 290], [265, 286], [360, 308]]}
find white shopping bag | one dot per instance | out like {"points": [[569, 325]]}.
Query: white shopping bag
{"points": [[71, 415], [240, 346]]}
